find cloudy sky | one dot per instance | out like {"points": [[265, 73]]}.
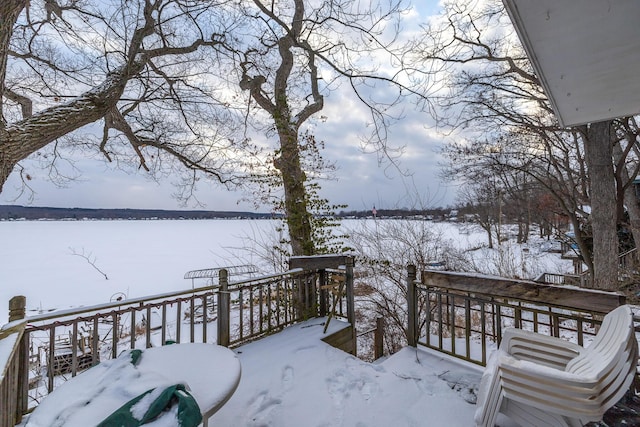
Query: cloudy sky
{"points": [[361, 181]]}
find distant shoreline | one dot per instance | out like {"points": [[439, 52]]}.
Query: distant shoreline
{"points": [[36, 213], [32, 213]]}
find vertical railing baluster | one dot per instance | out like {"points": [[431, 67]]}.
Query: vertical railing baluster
{"points": [[467, 326], [147, 329], [241, 319], [192, 316], [580, 331], [260, 307], [483, 333], [52, 357], [498, 310], [178, 321], [269, 307], [278, 300], [427, 318], [439, 302], [132, 326], [556, 325], [163, 333], [114, 335], [452, 327], [251, 325], [285, 300], [205, 318]]}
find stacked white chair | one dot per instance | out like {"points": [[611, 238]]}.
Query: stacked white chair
{"points": [[537, 380]]}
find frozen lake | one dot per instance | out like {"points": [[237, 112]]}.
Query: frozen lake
{"points": [[40, 259], [139, 258]]}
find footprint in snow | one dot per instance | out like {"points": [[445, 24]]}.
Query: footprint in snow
{"points": [[368, 390], [260, 406], [287, 378]]}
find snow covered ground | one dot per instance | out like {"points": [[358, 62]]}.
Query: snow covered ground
{"points": [[293, 379]]}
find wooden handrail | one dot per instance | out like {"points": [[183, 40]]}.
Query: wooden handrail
{"points": [[459, 314], [583, 299], [12, 375]]}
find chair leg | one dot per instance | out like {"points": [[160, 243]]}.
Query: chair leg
{"points": [[528, 416], [490, 402]]}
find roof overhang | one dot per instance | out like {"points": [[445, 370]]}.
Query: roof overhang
{"points": [[586, 54]]}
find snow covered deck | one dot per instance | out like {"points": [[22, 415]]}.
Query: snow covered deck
{"points": [[293, 378]]}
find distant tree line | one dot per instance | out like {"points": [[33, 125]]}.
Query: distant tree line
{"points": [[15, 212], [431, 213]]}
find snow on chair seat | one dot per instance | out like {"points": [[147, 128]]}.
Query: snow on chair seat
{"points": [[538, 380]]}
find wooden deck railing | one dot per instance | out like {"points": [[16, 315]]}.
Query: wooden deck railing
{"points": [[464, 316], [11, 384], [48, 349]]}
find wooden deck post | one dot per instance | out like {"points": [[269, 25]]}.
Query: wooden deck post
{"points": [[351, 305], [378, 346], [412, 320], [351, 312], [17, 307], [15, 384], [224, 306]]}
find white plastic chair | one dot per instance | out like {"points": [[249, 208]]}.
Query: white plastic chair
{"points": [[538, 380]]}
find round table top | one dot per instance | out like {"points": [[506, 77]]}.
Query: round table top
{"points": [[210, 372]]}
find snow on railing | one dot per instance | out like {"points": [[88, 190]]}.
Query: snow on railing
{"points": [[464, 315], [56, 346], [11, 362]]}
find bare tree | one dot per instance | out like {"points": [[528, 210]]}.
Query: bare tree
{"points": [[385, 248], [290, 56], [138, 69], [493, 89], [483, 199]]}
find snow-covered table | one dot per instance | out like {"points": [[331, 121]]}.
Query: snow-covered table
{"points": [[210, 372]]}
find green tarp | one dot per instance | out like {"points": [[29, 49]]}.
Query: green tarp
{"points": [[188, 412]]}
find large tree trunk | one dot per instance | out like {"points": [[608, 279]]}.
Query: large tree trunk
{"points": [[288, 163], [9, 12], [599, 155], [295, 199], [630, 197]]}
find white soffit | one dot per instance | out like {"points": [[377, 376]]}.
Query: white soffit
{"points": [[586, 53]]}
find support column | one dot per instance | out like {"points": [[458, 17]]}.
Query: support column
{"points": [[412, 320], [224, 306], [17, 307]]}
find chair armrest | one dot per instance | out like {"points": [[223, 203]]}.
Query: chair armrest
{"points": [[538, 348]]}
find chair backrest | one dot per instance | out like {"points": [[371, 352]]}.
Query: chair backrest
{"points": [[610, 341], [611, 357]]}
